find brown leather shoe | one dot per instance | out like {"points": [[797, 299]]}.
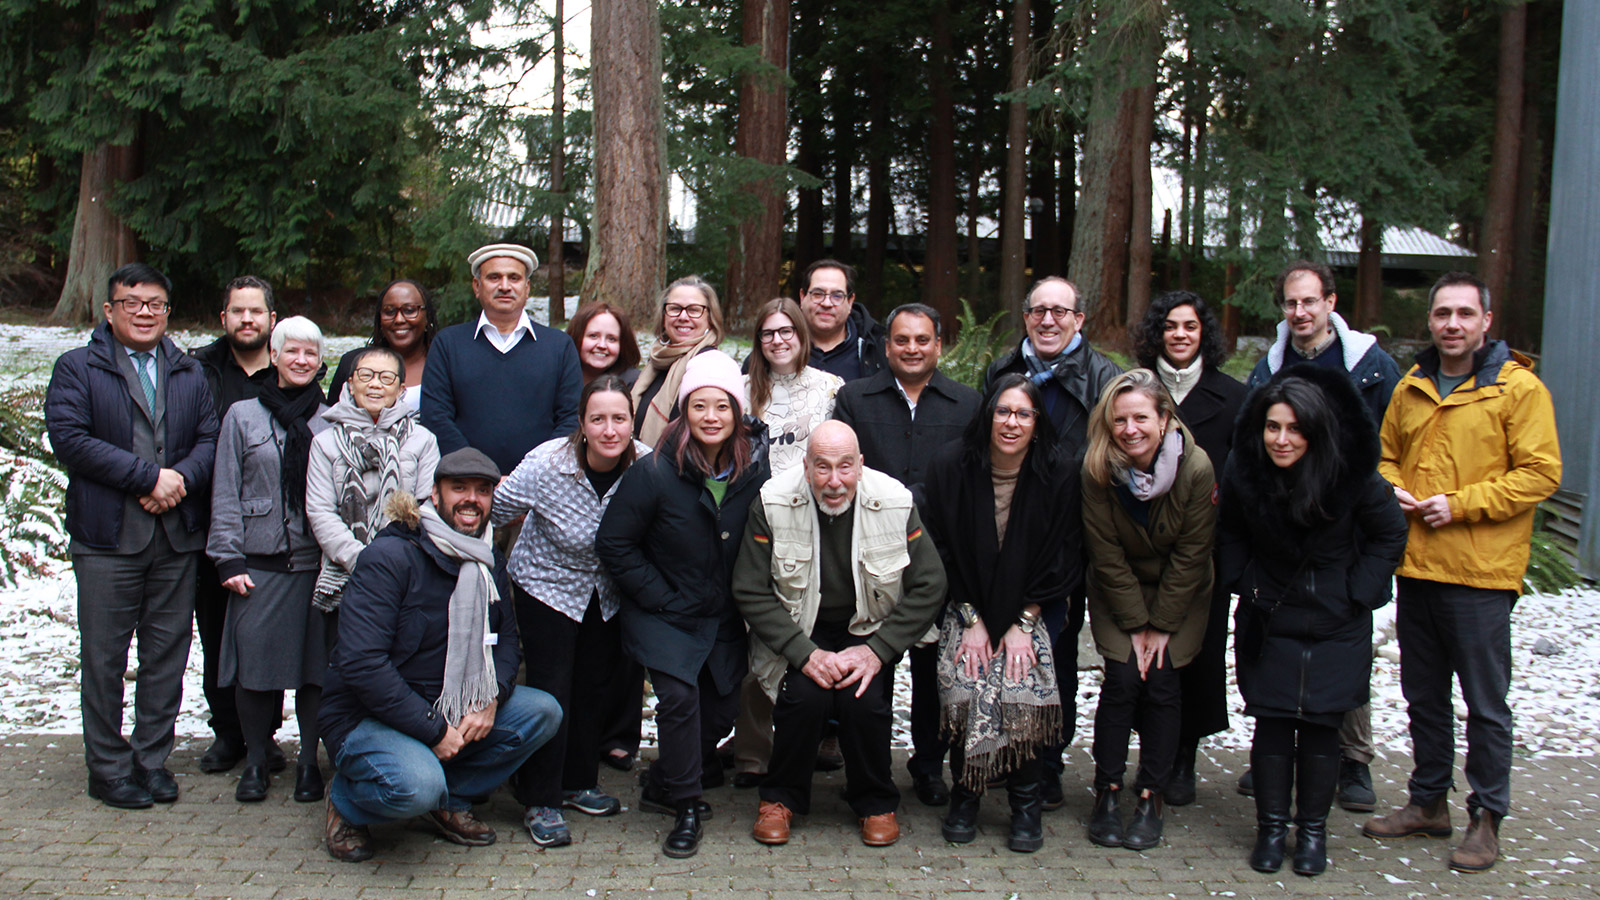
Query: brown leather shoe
{"points": [[462, 828], [1481, 847], [1412, 820], [772, 823], [880, 831], [346, 842]]}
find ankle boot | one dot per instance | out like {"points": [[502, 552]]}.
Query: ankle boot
{"points": [[1027, 805], [1105, 822], [1144, 832], [1181, 786], [1481, 847], [683, 841], [1316, 782], [1274, 780], [961, 822]]}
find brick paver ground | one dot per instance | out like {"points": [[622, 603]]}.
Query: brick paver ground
{"points": [[56, 842]]}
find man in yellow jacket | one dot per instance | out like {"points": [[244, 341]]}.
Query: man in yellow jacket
{"points": [[1469, 443]]}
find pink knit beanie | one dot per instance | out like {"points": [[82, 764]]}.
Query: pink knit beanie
{"points": [[713, 368]]}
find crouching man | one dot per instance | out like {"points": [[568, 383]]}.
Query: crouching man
{"points": [[421, 714], [837, 580]]}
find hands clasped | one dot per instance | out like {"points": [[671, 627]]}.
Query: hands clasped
{"points": [[852, 665]]}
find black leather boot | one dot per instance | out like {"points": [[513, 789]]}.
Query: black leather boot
{"points": [[1316, 781], [961, 822], [1274, 780], [1027, 806], [1144, 832], [683, 841], [1181, 786], [1105, 822]]}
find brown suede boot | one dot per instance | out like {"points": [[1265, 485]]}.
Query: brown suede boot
{"points": [[1481, 847], [1411, 820]]}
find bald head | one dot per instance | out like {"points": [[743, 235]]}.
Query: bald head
{"points": [[833, 466]]}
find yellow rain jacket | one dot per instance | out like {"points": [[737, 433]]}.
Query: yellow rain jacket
{"points": [[1491, 448]]}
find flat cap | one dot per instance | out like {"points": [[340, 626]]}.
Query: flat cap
{"points": [[466, 463], [476, 258]]}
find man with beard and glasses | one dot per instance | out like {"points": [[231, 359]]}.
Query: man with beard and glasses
{"points": [[237, 365], [421, 713]]}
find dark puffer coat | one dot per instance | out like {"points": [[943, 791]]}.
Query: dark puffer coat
{"points": [[1303, 627]]}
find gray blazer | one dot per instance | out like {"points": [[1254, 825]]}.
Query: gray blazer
{"points": [[248, 517]]}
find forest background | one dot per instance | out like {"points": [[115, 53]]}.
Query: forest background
{"points": [[332, 146]]}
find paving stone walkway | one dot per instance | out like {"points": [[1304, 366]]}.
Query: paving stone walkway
{"points": [[56, 842]]}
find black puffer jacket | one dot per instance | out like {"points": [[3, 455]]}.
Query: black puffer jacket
{"points": [[1303, 627], [671, 549]]}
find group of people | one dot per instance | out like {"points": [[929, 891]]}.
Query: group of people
{"points": [[766, 544]]}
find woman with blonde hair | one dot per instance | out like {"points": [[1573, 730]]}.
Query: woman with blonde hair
{"points": [[1149, 517], [689, 322]]}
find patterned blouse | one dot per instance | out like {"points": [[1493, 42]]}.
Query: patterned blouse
{"points": [[800, 402], [554, 559]]}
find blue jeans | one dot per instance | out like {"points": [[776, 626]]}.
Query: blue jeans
{"points": [[384, 775]]}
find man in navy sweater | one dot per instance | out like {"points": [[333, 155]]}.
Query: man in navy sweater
{"points": [[502, 383]]}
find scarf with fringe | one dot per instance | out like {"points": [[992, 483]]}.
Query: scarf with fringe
{"points": [[469, 682], [998, 723], [361, 446]]}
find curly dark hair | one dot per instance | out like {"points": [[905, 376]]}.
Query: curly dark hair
{"points": [[1147, 337]]}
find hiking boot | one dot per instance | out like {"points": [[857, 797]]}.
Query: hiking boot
{"points": [[346, 842], [1355, 786], [1412, 820], [1481, 847]]}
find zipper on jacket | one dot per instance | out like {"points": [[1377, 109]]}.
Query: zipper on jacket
{"points": [[1305, 667]]}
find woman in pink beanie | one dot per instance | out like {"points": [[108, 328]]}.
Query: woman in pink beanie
{"points": [[669, 539]]}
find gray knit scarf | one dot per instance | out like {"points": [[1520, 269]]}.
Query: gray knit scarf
{"points": [[1162, 476], [469, 682], [361, 446], [998, 723]]}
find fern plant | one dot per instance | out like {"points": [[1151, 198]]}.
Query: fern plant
{"points": [[979, 344], [1549, 572]]}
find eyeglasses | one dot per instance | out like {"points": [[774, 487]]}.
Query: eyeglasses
{"points": [[366, 375], [1024, 416], [694, 311], [390, 313], [1059, 313], [132, 305], [769, 335], [1290, 306], [820, 296]]}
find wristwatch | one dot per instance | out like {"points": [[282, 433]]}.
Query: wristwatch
{"points": [[1027, 622], [966, 614]]}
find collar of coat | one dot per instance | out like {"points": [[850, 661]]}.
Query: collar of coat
{"points": [[1353, 344]]}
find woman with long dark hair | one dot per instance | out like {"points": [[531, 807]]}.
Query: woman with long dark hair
{"points": [[994, 506], [1181, 341], [405, 321], [566, 602], [1148, 519], [1309, 535], [273, 639], [670, 538], [606, 346]]}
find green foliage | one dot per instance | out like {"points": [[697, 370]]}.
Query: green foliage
{"points": [[978, 345], [32, 489], [1549, 571]]}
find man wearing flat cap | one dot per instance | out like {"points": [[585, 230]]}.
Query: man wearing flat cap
{"points": [[503, 384], [421, 712]]}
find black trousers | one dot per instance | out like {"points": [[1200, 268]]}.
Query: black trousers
{"points": [[690, 720], [1205, 678], [1283, 736], [572, 662], [210, 611], [1153, 707], [865, 728], [927, 744], [1065, 650], [622, 709]]}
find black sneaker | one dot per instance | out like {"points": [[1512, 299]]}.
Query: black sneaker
{"points": [[1355, 786]]}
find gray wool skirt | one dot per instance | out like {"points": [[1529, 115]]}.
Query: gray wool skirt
{"points": [[273, 640]]}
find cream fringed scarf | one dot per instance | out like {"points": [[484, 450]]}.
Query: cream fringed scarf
{"points": [[666, 364]]}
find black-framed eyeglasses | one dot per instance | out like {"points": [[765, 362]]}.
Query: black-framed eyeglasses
{"points": [[785, 333], [693, 311], [385, 378], [1059, 313], [132, 305], [1024, 415], [390, 313]]}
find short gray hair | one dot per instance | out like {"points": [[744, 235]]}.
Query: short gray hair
{"points": [[296, 328]]}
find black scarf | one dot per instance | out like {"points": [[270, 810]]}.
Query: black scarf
{"points": [[293, 409]]}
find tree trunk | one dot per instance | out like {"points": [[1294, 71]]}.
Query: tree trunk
{"points": [[1140, 255], [1013, 251], [1369, 274], [1067, 209], [555, 258], [844, 154], [1522, 320], [1100, 237], [626, 255], [974, 240], [1494, 244], [1044, 245], [939, 283], [879, 203], [1195, 252], [101, 242], [807, 111], [755, 256]]}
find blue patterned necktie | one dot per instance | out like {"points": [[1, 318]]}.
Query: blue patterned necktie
{"points": [[140, 359]]}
